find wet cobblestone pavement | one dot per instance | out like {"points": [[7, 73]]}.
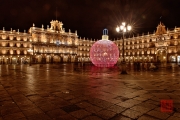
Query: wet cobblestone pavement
{"points": [[69, 92]]}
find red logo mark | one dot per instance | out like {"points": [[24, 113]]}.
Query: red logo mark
{"points": [[166, 105]]}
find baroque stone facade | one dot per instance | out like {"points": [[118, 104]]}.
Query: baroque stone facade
{"points": [[39, 45], [161, 46], [54, 45]]}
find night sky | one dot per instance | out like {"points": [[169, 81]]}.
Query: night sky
{"points": [[90, 17]]}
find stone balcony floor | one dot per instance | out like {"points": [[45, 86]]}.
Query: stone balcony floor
{"points": [[69, 92]]}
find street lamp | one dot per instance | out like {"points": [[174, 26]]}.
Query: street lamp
{"points": [[123, 29], [30, 51]]}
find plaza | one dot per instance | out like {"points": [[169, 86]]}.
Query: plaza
{"points": [[90, 60], [70, 91]]}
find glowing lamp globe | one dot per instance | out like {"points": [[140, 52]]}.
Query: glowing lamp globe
{"points": [[104, 53]]}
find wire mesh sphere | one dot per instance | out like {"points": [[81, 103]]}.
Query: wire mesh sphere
{"points": [[104, 53]]}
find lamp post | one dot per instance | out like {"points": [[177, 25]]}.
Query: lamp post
{"points": [[30, 51], [123, 29]]}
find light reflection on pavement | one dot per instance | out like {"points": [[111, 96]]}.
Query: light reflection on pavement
{"points": [[69, 91]]}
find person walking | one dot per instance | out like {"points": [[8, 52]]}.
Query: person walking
{"points": [[138, 66], [145, 66], [148, 65], [135, 66], [152, 67], [142, 67]]}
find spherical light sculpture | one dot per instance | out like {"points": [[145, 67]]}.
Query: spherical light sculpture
{"points": [[104, 53]]}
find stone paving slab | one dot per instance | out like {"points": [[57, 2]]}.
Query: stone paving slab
{"points": [[58, 91]]}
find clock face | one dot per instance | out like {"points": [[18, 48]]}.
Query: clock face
{"points": [[57, 42]]}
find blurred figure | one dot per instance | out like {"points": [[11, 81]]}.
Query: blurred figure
{"points": [[152, 67], [138, 66], [135, 66], [148, 66], [145, 66]]}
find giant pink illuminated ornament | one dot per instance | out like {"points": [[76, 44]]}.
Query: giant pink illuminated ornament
{"points": [[104, 53]]}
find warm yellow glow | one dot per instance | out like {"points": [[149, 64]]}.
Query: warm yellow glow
{"points": [[11, 37], [18, 38], [4, 37], [16, 43], [24, 44], [11, 44], [4, 51], [122, 27], [117, 29], [124, 30], [30, 50], [25, 38], [128, 27], [18, 51]]}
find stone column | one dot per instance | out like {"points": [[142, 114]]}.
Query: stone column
{"points": [[176, 58]]}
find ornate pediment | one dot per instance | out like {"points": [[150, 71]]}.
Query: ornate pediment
{"points": [[161, 42], [161, 29], [56, 25]]}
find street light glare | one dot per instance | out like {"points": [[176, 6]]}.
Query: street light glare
{"points": [[122, 27], [117, 29], [129, 28], [124, 30]]}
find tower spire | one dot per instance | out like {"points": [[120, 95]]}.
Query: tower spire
{"points": [[160, 19], [105, 34]]}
